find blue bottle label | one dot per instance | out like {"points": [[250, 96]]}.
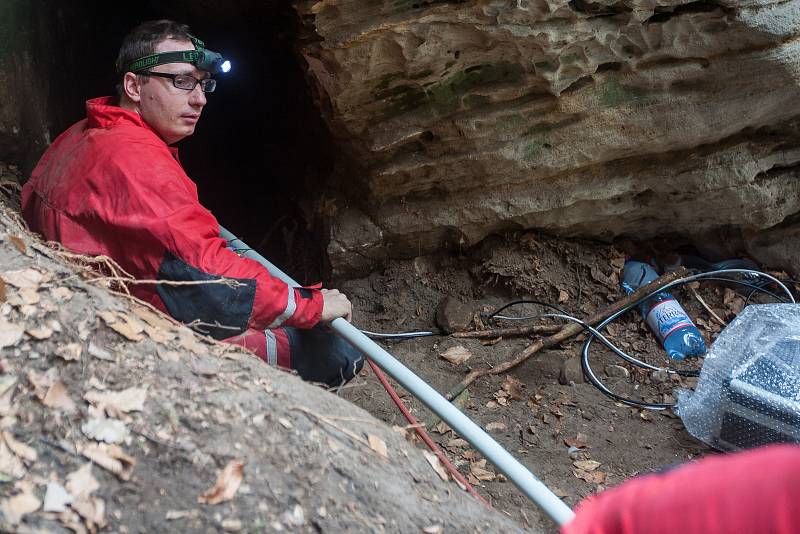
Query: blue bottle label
{"points": [[666, 317]]}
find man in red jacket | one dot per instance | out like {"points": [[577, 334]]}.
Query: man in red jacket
{"points": [[113, 185]]}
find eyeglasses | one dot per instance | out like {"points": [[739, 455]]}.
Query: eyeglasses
{"points": [[185, 81]]}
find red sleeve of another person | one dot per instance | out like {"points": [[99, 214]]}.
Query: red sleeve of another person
{"points": [[749, 492]]}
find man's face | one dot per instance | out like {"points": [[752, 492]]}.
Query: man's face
{"points": [[172, 112]]}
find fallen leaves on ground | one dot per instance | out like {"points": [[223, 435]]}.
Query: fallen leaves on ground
{"points": [[592, 477], [123, 324], [11, 465], [23, 278], [25, 452], [496, 425], [456, 355], [81, 484], [10, 334], [105, 429], [437, 465], [586, 465], [111, 458], [378, 445], [579, 442], [513, 387], [58, 398], [118, 403], [56, 498], [16, 507], [478, 472], [226, 486]]}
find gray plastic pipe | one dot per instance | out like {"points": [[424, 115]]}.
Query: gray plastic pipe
{"points": [[531, 486]]}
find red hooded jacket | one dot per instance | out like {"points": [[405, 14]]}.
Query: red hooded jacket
{"points": [[111, 186]]}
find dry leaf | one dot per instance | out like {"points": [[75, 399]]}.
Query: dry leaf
{"points": [[158, 335], [563, 296], [126, 330], [496, 425], [513, 387], [92, 510], [10, 464], [16, 507], [41, 382], [592, 477], [586, 465], [437, 465], [10, 334], [152, 319], [26, 452], [100, 353], [70, 352], [442, 428], [21, 279], [285, 422], [111, 458], [188, 341], [8, 385], [61, 293], [181, 514], [2, 291], [39, 333], [479, 471], [56, 498], [18, 243], [116, 402], [579, 442], [81, 483], [227, 483], [58, 398], [29, 296], [105, 429], [456, 355], [378, 445]]}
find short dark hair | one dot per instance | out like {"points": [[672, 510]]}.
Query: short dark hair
{"points": [[143, 40]]}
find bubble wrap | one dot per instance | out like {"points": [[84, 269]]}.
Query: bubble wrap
{"points": [[748, 393]]}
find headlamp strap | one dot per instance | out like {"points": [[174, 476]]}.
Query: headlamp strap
{"points": [[186, 56]]}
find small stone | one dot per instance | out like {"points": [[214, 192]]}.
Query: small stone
{"points": [[571, 371], [659, 377], [617, 371], [453, 315]]}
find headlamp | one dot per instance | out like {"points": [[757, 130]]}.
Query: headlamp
{"points": [[200, 57]]}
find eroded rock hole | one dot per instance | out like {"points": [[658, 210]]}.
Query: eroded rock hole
{"points": [[261, 152]]}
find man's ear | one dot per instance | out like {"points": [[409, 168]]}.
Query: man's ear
{"points": [[132, 87]]}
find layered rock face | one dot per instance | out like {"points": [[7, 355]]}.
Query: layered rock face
{"points": [[593, 118]]}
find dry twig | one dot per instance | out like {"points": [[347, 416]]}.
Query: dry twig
{"points": [[708, 308], [510, 331], [567, 332]]}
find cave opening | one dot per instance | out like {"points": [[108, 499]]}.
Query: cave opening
{"points": [[261, 151]]}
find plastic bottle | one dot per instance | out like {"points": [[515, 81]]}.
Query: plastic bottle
{"points": [[666, 317]]}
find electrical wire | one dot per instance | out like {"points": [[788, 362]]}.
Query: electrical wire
{"points": [[399, 335], [524, 301], [420, 429], [709, 275]]}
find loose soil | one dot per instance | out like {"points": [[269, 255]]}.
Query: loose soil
{"points": [[527, 410]]}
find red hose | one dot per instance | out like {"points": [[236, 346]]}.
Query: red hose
{"points": [[424, 435]]}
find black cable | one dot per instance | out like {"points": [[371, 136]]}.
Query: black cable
{"points": [[587, 369], [539, 302]]}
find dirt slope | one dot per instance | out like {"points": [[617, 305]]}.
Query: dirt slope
{"points": [[311, 461]]}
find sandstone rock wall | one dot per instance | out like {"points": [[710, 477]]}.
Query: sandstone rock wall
{"points": [[579, 117]]}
